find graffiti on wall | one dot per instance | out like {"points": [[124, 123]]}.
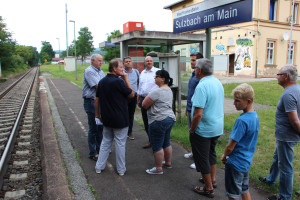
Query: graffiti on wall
{"points": [[194, 48], [221, 48], [243, 59]]}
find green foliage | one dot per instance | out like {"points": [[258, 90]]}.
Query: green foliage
{"points": [[47, 52], [84, 44], [7, 46], [28, 53], [112, 52]]}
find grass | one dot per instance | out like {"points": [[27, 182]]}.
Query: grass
{"points": [[265, 93], [71, 76]]}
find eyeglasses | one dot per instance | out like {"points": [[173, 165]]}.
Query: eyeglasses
{"points": [[281, 74]]}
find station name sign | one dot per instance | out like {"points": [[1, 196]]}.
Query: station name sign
{"points": [[212, 13]]}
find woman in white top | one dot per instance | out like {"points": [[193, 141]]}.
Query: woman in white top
{"points": [[161, 119]]}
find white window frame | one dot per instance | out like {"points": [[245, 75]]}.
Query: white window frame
{"points": [[270, 52], [292, 53], [295, 14], [274, 10]]}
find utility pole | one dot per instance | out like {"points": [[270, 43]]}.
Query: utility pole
{"points": [[67, 30]]}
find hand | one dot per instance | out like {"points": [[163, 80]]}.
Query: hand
{"points": [[223, 159], [98, 122], [185, 113], [138, 101], [124, 76]]}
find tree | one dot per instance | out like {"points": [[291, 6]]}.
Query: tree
{"points": [[84, 44], [112, 52], [47, 52], [7, 46]]}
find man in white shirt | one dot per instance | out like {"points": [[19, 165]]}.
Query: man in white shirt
{"points": [[146, 85]]}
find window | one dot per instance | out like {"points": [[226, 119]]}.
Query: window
{"points": [[183, 52], [295, 14], [270, 52], [273, 10], [291, 53]]}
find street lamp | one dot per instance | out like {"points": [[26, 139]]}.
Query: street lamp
{"points": [[75, 47], [58, 53]]}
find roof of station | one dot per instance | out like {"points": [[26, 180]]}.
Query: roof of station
{"points": [[158, 38]]}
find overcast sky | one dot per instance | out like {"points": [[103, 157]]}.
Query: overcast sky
{"points": [[33, 21]]}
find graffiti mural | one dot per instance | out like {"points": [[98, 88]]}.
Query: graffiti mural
{"points": [[243, 59], [194, 48], [221, 48]]}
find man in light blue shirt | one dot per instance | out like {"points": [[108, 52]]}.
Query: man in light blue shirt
{"points": [[133, 76], [207, 124], [91, 77]]}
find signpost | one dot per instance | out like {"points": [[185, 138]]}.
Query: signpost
{"points": [[212, 14]]}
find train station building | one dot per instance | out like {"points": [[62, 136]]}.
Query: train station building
{"points": [[255, 47]]}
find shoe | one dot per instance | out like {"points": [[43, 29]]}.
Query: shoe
{"points": [[93, 158], [147, 146], [213, 183], [193, 166], [154, 171], [188, 155], [275, 197], [98, 171], [121, 174], [130, 136], [203, 191], [167, 166], [264, 180]]}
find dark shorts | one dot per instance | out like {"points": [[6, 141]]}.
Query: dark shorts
{"points": [[236, 183], [204, 153], [159, 134]]}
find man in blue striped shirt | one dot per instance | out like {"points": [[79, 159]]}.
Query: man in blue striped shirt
{"points": [[91, 77]]}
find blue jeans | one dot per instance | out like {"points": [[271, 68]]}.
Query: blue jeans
{"points": [[95, 132], [159, 134], [283, 166], [236, 183]]}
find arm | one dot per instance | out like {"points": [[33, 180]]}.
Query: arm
{"points": [[294, 120], [197, 116], [125, 78], [147, 102], [228, 150], [97, 108]]}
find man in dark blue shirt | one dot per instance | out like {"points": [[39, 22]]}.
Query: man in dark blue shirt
{"points": [[193, 82], [112, 109]]}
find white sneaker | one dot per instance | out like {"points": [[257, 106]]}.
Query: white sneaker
{"points": [[98, 171], [188, 155], [154, 171], [193, 166], [121, 174]]}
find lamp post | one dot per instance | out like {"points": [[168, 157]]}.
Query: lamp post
{"points": [[58, 53], [74, 47], [290, 60]]}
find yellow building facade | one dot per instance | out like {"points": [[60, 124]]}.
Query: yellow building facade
{"points": [[257, 48]]}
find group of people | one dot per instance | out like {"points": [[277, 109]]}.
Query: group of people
{"points": [[110, 102]]}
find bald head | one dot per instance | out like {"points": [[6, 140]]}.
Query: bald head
{"points": [[148, 62]]}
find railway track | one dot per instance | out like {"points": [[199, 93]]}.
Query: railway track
{"points": [[20, 164]]}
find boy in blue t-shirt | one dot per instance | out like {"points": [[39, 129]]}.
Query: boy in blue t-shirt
{"points": [[239, 151]]}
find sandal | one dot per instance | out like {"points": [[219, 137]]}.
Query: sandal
{"points": [[203, 191], [213, 183]]}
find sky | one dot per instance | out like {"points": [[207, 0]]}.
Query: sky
{"points": [[33, 21]]}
